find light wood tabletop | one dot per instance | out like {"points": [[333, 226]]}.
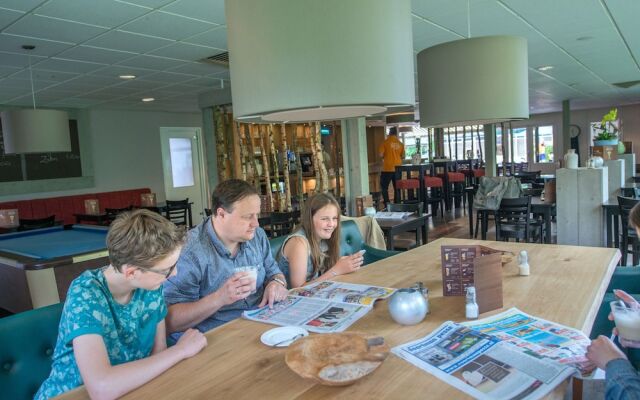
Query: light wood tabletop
{"points": [[566, 285]]}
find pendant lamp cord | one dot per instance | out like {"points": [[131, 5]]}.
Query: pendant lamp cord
{"points": [[33, 93], [468, 19]]}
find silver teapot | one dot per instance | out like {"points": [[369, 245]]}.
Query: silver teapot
{"points": [[408, 306]]}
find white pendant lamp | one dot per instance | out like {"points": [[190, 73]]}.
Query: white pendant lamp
{"points": [[35, 131], [309, 60], [476, 81]]}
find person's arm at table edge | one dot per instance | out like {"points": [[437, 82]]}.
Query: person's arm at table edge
{"points": [[181, 316], [622, 380]]}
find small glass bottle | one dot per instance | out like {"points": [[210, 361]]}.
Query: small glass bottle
{"points": [[471, 309]]}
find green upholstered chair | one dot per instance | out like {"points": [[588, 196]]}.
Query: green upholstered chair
{"points": [[627, 279], [27, 341], [350, 242]]}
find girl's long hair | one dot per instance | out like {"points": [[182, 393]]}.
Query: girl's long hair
{"points": [[321, 263]]}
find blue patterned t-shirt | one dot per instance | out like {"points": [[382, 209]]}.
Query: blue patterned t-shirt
{"points": [[128, 330]]}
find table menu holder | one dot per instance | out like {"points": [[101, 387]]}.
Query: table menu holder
{"points": [[479, 266], [148, 199], [92, 206], [9, 218]]}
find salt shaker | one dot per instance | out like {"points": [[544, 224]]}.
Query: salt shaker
{"points": [[523, 263], [471, 309]]}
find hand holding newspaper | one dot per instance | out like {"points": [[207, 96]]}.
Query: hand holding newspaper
{"points": [[322, 307], [511, 355]]}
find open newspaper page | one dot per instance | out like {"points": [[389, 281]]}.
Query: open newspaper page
{"points": [[538, 337], [482, 365], [343, 292], [322, 307]]}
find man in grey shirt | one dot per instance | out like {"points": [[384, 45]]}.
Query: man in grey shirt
{"points": [[207, 292]]}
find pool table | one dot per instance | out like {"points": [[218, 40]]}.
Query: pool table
{"points": [[37, 267]]}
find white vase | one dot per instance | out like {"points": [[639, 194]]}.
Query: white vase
{"points": [[571, 159]]}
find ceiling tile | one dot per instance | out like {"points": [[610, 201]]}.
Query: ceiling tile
{"points": [[88, 82], [8, 16], [127, 41], [53, 76], [626, 16], [200, 68], [24, 83], [94, 54], [13, 43], [106, 13], [426, 35], [17, 60], [21, 5], [168, 77], [54, 29], [6, 71], [210, 10], [55, 64], [10, 93], [117, 70], [205, 81], [187, 52], [148, 3], [167, 26], [152, 62], [216, 37]]}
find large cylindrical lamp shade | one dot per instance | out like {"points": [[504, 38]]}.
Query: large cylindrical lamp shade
{"points": [[35, 131], [475, 81], [312, 60]]}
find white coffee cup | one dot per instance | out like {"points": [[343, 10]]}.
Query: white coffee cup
{"points": [[252, 273]]}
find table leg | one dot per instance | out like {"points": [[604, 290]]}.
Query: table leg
{"points": [[470, 208], [547, 225], [485, 222], [608, 220], [390, 241], [616, 230], [425, 231]]}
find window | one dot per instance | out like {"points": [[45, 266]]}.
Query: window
{"points": [[181, 162], [543, 144]]}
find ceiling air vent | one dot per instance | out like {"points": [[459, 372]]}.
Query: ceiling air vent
{"points": [[218, 59], [626, 85]]}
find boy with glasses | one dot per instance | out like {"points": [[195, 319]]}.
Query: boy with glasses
{"points": [[112, 335]]}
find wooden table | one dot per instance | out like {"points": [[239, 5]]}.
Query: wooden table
{"points": [[392, 227], [99, 219], [566, 285]]}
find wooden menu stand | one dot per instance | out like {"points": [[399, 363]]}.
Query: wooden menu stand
{"points": [[479, 266]]}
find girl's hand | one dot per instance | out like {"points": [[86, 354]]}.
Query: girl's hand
{"points": [[348, 264]]}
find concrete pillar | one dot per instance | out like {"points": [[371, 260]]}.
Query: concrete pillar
{"points": [[211, 153], [356, 163], [579, 197], [616, 178], [490, 150], [629, 167], [566, 136]]}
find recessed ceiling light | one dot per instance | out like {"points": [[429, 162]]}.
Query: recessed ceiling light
{"points": [[127, 77], [545, 68], [147, 99]]}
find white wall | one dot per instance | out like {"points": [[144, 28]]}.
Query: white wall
{"points": [[125, 151]]}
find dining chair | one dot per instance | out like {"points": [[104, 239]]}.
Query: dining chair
{"points": [[27, 342], [281, 223], [513, 220], [208, 212], [628, 235], [112, 213], [631, 192], [176, 212], [37, 223]]}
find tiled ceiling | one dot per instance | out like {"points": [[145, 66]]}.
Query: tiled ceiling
{"points": [[82, 46]]}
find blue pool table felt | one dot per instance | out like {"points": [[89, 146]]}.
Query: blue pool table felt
{"points": [[54, 242]]}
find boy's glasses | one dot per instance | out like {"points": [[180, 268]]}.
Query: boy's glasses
{"points": [[165, 272]]}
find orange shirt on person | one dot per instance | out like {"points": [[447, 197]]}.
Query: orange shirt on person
{"points": [[391, 150]]}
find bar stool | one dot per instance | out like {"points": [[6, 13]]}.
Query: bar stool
{"points": [[434, 194], [476, 175], [405, 190], [456, 187]]}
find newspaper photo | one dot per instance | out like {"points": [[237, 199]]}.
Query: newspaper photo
{"points": [[322, 307], [511, 355]]}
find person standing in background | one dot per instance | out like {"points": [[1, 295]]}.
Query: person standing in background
{"points": [[392, 153]]}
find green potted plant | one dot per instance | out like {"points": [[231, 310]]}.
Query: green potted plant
{"points": [[607, 130]]}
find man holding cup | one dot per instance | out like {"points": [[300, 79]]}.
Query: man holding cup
{"points": [[226, 266]]}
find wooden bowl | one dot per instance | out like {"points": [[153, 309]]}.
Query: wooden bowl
{"points": [[336, 359]]}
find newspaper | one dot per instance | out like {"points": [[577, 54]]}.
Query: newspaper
{"points": [[511, 355], [322, 307]]}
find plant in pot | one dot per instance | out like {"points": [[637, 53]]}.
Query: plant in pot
{"points": [[607, 130]]}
